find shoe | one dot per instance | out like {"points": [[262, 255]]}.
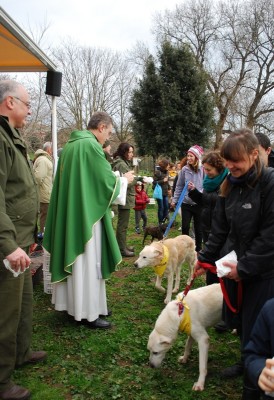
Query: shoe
{"points": [[109, 314], [221, 327], [15, 393], [137, 230], [35, 357], [234, 371], [99, 324], [130, 248], [127, 253]]}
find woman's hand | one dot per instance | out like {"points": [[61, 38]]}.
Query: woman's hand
{"points": [[198, 269], [233, 274], [191, 186], [130, 176]]}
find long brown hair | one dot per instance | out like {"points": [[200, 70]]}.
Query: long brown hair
{"points": [[236, 147]]}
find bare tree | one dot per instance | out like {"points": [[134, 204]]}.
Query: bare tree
{"points": [[94, 79], [38, 129], [234, 44]]}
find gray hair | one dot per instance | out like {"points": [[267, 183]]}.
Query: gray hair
{"points": [[47, 146], [8, 88], [99, 117]]}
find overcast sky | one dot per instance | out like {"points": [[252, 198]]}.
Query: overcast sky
{"points": [[116, 24]]}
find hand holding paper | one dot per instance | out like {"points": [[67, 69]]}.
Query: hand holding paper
{"points": [[223, 270]]}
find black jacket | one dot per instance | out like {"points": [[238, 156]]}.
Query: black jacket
{"points": [[244, 222], [271, 159], [158, 177]]}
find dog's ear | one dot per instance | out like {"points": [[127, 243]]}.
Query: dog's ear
{"points": [[165, 340], [158, 252], [158, 249]]}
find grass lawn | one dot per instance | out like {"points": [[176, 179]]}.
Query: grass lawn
{"points": [[113, 364]]}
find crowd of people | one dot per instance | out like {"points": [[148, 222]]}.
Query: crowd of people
{"points": [[228, 200]]}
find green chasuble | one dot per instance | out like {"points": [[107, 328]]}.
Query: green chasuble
{"points": [[83, 191]]}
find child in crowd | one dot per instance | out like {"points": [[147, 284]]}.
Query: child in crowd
{"points": [[141, 201]]}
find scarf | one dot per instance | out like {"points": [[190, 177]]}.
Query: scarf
{"points": [[212, 184], [242, 179], [160, 269]]}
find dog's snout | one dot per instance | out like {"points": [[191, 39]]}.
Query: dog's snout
{"points": [[135, 265], [151, 365]]}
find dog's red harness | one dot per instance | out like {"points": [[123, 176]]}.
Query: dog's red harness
{"points": [[212, 269]]}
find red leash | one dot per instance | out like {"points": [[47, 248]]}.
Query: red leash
{"points": [[189, 285], [212, 269]]}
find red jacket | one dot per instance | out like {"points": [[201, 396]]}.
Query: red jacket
{"points": [[141, 199]]}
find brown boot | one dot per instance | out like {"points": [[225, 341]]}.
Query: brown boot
{"points": [[127, 253], [15, 393], [130, 248], [35, 357]]}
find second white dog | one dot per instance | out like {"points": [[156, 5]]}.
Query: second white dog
{"points": [[167, 258], [202, 309]]}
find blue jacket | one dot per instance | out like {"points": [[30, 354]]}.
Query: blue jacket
{"points": [[261, 344]]}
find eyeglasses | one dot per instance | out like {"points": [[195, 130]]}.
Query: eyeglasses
{"points": [[24, 102]]}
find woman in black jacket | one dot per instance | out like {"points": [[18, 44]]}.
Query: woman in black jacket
{"points": [[216, 172], [244, 222]]}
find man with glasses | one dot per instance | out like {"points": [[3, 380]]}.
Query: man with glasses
{"points": [[19, 211]]}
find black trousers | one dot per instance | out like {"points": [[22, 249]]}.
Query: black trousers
{"points": [[189, 212]]}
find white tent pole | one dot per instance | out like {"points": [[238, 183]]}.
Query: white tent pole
{"points": [[54, 133]]}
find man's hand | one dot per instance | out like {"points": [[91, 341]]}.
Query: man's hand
{"points": [[19, 260], [266, 378]]}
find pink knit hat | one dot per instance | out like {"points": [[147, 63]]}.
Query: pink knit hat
{"points": [[197, 151]]}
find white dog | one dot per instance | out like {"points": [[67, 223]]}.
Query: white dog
{"points": [[167, 258], [200, 309]]}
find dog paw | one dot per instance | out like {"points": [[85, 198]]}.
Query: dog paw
{"points": [[198, 387], [167, 300], [175, 290], [161, 289], [182, 360]]}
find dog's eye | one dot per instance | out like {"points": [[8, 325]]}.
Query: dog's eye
{"points": [[155, 353], [144, 257]]}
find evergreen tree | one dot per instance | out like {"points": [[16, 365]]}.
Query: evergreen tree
{"points": [[177, 102], [145, 107]]}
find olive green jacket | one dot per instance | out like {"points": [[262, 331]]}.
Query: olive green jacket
{"points": [[19, 203], [123, 166]]}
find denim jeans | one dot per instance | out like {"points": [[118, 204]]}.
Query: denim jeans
{"points": [[162, 209]]}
